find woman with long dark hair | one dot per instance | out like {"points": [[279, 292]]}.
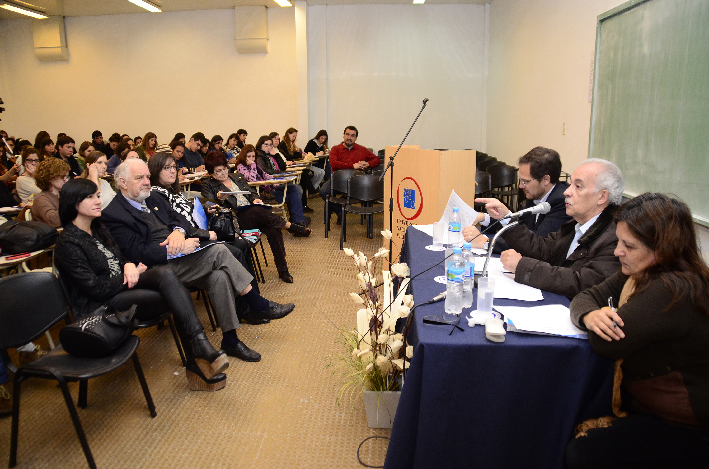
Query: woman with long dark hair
{"points": [[96, 273], [147, 147], [654, 316]]}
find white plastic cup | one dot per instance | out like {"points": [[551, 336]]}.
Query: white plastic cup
{"points": [[486, 294], [440, 234]]}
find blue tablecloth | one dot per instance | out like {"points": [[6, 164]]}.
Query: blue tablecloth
{"points": [[469, 402]]}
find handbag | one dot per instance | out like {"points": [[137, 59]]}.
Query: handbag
{"points": [[98, 334], [224, 224], [26, 236]]}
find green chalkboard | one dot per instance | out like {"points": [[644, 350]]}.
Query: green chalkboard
{"points": [[650, 111]]}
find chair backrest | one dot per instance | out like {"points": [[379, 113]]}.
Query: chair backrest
{"points": [[31, 304], [365, 188], [338, 179], [480, 156], [502, 175], [483, 165], [483, 182]]}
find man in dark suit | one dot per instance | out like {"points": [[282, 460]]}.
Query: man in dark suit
{"points": [[147, 229], [539, 172]]}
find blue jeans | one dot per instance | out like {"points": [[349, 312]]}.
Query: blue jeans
{"points": [[293, 199]]}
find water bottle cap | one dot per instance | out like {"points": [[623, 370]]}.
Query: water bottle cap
{"points": [[457, 250], [467, 246], [455, 209]]}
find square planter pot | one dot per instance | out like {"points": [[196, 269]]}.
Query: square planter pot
{"points": [[381, 408]]}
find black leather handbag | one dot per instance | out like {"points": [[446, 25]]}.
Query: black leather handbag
{"points": [[224, 224], [99, 334], [26, 236]]}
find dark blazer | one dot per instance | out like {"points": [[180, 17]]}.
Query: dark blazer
{"points": [[133, 235], [544, 264], [552, 221]]}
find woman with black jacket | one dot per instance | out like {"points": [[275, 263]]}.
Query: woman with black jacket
{"points": [[96, 273], [249, 208]]}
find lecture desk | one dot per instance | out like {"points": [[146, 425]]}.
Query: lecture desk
{"points": [[468, 402]]}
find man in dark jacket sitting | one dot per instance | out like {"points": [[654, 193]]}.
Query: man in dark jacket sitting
{"points": [[578, 255]]}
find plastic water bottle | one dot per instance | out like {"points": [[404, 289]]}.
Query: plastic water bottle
{"points": [[469, 275], [454, 283], [454, 229]]}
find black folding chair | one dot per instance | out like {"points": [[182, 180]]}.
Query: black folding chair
{"points": [[483, 165], [366, 190], [503, 180], [338, 186], [32, 304], [483, 188]]}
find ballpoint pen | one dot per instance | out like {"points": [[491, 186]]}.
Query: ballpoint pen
{"points": [[610, 305]]}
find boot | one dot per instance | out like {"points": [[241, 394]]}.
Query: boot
{"points": [[197, 381], [210, 361]]}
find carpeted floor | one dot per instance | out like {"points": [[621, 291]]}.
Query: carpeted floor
{"points": [[278, 413]]}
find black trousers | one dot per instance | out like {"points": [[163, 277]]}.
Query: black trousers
{"points": [[257, 217], [159, 290], [639, 441]]}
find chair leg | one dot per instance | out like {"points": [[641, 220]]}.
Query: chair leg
{"points": [[77, 423], [256, 263], [265, 261], [15, 418], [342, 228], [144, 384], [83, 393], [209, 310], [177, 340], [327, 216]]}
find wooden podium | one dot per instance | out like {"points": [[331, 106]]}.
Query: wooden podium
{"points": [[423, 181]]}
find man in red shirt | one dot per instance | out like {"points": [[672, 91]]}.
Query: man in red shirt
{"points": [[348, 155]]}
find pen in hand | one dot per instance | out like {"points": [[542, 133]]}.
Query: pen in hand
{"points": [[610, 305]]}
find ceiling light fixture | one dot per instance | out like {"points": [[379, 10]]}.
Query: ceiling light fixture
{"points": [[284, 3], [23, 10], [151, 7], [419, 2]]}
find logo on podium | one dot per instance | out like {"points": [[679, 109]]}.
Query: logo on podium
{"points": [[409, 198]]}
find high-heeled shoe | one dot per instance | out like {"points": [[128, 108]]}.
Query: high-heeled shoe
{"points": [[197, 382], [210, 361]]}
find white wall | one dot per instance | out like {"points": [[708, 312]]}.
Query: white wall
{"points": [[372, 65], [541, 54], [165, 73]]}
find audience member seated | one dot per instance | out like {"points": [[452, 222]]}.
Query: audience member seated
{"points": [[232, 149], [147, 230], [98, 143], [348, 155], [65, 151], [241, 135], [96, 273], [177, 149], [137, 141], [7, 185], [128, 140], [6, 159], [113, 142], [119, 156], [318, 147], [95, 171], [26, 184], [194, 161], [580, 254], [249, 208], [84, 149], [50, 176], [217, 144], [659, 334], [146, 148], [271, 165], [310, 179], [539, 172], [163, 172], [46, 149]]}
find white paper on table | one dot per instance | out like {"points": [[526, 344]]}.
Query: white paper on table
{"points": [[505, 285], [547, 319], [428, 229], [466, 213]]}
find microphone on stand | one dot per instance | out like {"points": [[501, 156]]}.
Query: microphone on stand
{"points": [[541, 208], [425, 100]]}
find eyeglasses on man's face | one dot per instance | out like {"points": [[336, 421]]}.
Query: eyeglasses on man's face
{"points": [[525, 182]]}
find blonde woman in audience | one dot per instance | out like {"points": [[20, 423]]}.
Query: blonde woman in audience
{"points": [[51, 176], [147, 147], [96, 163], [26, 184]]}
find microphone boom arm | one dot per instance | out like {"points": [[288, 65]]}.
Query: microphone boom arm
{"points": [[492, 244]]}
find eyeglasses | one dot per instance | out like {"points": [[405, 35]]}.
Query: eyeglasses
{"points": [[169, 167], [445, 320], [524, 182], [31, 160]]}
